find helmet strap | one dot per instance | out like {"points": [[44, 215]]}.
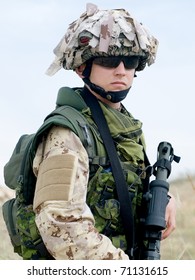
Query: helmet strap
{"points": [[113, 96]]}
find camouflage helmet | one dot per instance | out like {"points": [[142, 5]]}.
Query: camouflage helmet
{"points": [[103, 33]]}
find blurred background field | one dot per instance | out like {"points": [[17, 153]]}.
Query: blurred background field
{"points": [[179, 246]]}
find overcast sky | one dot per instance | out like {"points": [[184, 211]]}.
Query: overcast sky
{"points": [[162, 96]]}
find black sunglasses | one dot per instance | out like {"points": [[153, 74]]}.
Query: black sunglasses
{"points": [[114, 61]]}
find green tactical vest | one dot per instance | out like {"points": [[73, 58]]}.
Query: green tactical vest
{"points": [[72, 112], [101, 198]]}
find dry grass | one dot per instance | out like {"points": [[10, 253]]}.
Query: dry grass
{"points": [[179, 246]]}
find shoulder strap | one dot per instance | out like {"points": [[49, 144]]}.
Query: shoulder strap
{"points": [[121, 186], [68, 113], [71, 97], [71, 118]]}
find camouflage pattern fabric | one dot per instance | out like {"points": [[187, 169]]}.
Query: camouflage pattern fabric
{"points": [[78, 228], [68, 227], [29, 234], [104, 33]]}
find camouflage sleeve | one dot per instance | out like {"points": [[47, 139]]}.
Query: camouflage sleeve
{"points": [[67, 226]]}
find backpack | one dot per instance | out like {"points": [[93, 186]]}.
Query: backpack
{"points": [[18, 174]]}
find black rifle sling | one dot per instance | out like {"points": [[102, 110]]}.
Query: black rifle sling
{"points": [[120, 182]]}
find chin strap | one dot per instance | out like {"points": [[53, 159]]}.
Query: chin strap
{"points": [[113, 96]]}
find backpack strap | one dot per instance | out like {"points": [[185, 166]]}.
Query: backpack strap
{"points": [[68, 113], [68, 117]]}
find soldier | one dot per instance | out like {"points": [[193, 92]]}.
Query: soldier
{"points": [[76, 221]]}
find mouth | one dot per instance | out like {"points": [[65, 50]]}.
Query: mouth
{"points": [[118, 83]]}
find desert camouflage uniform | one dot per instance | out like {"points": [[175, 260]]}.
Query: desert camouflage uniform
{"points": [[67, 226], [65, 221]]}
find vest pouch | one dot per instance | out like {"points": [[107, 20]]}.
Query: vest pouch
{"points": [[9, 210], [103, 202]]}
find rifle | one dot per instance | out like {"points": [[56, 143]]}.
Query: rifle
{"points": [[155, 200]]}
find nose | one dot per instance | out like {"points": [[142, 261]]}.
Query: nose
{"points": [[120, 69]]}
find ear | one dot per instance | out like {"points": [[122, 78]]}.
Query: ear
{"points": [[79, 70]]}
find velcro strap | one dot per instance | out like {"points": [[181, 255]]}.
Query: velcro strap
{"points": [[56, 178]]}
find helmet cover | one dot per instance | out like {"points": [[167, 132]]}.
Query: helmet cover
{"points": [[104, 33]]}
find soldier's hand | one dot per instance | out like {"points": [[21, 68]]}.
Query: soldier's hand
{"points": [[170, 217]]}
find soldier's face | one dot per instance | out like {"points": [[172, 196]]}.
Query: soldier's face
{"points": [[112, 78]]}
